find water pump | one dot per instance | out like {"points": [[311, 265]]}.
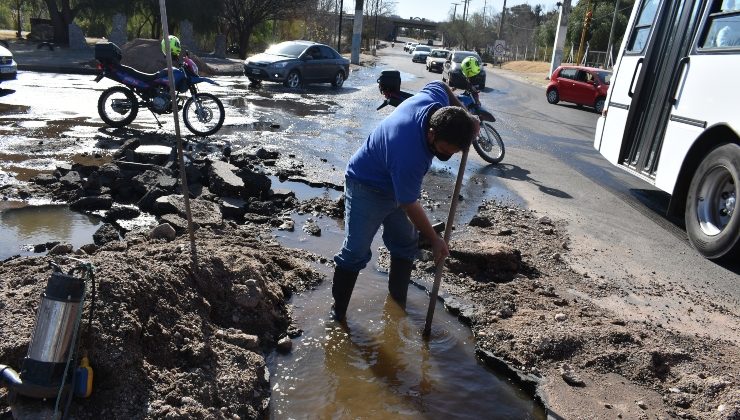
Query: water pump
{"points": [[47, 369]]}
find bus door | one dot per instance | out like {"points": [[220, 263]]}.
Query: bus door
{"points": [[649, 67], [665, 64]]}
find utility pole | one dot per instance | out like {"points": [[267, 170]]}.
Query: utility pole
{"points": [[341, 15], [584, 31], [557, 49], [454, 11], [465, 10], [501, 22], [609, 47], [357, 32]]}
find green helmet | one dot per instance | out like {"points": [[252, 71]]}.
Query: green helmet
{"points": [[470, 66], [174, 46]]}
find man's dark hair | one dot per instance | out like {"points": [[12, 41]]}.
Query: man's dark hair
{"points": [[453, 125]]}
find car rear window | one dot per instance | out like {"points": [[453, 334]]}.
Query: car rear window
{"points": [[287, 49], [568, 74], [458, 57], [422, 48], [439, 53]]}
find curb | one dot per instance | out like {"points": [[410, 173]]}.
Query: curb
{"points": [[92, 71], [57, 69]]}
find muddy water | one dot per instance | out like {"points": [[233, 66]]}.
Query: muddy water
{"points": [[379, 366], [23, 226]]}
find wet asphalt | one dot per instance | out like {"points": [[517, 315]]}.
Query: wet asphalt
{"points": [[616, 221]]}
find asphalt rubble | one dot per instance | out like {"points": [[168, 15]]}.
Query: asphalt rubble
{"points": [[175, 340]]}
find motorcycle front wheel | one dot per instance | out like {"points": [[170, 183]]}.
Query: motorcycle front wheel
{"points": [[203, 114], [118, 106], [488, 144]]}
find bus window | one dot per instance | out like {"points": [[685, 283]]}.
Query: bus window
{"points": [[723, 25], [641, 33]]}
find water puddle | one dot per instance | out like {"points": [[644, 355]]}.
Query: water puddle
{"points": [[379, 366], [24, 226], [304, 191]]}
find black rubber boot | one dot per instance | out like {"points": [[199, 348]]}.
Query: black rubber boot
{"points": [[399, 278], [341, 290]]}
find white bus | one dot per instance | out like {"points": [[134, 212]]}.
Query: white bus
{"points": [[672, 114]]}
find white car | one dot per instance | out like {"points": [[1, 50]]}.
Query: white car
{"points": [[8, 66], [420, 54]]}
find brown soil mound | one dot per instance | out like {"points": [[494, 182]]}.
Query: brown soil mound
{"points": [[527, 66], [168, 342], [146, 55]]}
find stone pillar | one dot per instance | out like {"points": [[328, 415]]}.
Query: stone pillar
{"points": [[220, 51], [118, 34], [77, 38], [187, 40]]}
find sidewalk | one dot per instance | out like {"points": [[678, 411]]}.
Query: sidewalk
{"points": [[30, 56]]}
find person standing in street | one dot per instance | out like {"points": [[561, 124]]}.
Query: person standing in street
{"points": [[383, 185]]}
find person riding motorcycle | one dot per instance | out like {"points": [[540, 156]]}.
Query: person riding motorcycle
{"points": [[471, 68]]}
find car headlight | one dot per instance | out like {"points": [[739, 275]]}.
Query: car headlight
{"points": [[279, 65]]}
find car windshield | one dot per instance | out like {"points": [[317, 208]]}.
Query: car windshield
{"points": [[422, 48], [287, 49], [458, 57], [439, 54], [606, 77]]}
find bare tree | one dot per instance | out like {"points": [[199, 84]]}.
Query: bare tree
{"points": [[62, 14], [244, 15]]}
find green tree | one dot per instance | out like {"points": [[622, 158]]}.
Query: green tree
{"points": [[243, 16], [601, 21]]}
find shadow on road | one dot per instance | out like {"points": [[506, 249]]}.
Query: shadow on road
{"points": [[6, 92], [516, 173]]}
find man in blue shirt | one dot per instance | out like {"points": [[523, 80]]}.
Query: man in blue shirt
{"points": [[383, 185]]}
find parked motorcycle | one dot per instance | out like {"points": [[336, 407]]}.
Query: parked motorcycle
{"points": [[202, 113], [488, 144]]}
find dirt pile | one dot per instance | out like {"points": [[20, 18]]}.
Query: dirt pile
{"points": [[168, 342], [539, 321], [146, 55]]}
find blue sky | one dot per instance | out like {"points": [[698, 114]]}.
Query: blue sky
{"points": [[438, 10]]}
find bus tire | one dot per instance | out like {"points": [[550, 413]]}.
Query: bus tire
{"points": [[553, 96], [712, 217]]}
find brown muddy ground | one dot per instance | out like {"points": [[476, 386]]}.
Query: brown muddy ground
{"points": [[167, 341], [172, 343], [588, 363]]}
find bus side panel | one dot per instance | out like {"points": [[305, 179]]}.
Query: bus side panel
{"points": [[707, 95], [678, 140], [608, 138]]}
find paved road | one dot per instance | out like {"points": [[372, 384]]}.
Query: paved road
{"points": [[616, 222]]}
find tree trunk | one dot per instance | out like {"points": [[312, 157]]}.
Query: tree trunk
{"points": [[18, 19], [61, 19], [244, 36]]}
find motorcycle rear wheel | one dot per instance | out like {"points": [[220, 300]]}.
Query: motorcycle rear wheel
{"points": [[111, 105], [488, 144], [203, 114]]}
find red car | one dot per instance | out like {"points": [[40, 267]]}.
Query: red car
{"points": [[579, 85]]}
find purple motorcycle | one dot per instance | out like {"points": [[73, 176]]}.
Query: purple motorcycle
{"points": [[202, 113]]}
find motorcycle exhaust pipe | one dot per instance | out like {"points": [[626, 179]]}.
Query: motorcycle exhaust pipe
{"points": [[45, 365]]}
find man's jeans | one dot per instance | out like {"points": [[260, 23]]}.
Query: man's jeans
{"points": [[365, 209]]}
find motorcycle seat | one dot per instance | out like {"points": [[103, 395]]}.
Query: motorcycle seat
{"points": [[149, 77]]}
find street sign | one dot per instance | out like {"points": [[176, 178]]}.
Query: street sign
{"points": [[499, 47]]}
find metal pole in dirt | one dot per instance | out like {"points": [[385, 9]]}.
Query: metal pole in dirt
{"points": [[448, 232], [180, 157]]}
